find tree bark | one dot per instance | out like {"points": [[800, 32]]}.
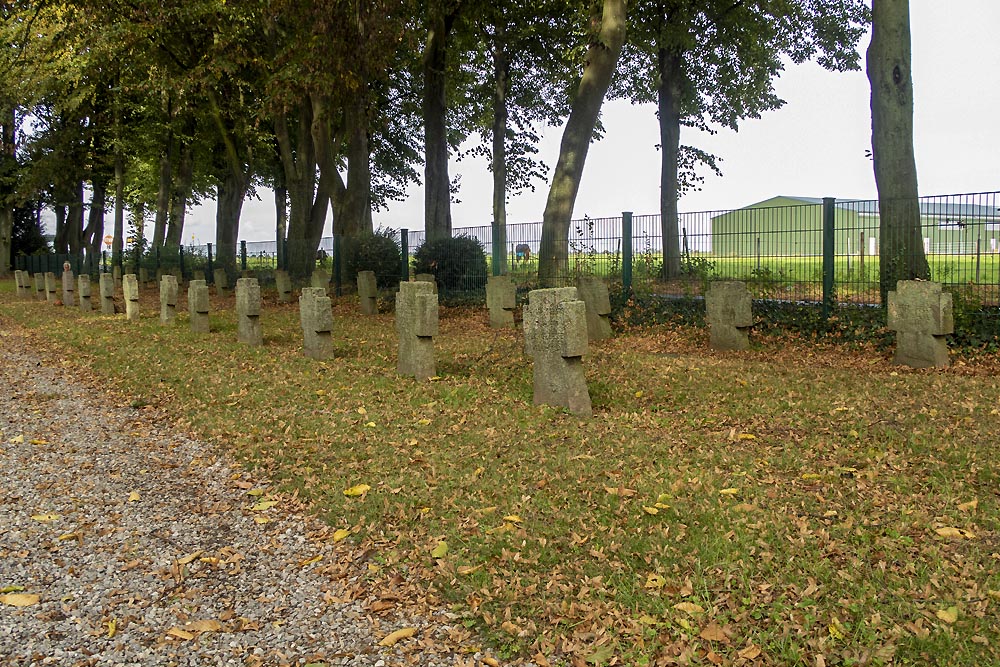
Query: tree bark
{"points": [[437, 185], [901, 249], [602, 58], [74, 221], [501, 71], [7, 155], [59, 242], [163, 192], [119, 234], [668, 105], [281, 220], [93, 235], [179, 198], [230, 194]]}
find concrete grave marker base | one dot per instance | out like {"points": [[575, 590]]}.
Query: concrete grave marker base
{"points": [[283, 282], [168, 298], [107, 287], [130, 288], [83, 293]]}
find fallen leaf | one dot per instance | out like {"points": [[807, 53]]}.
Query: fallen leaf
{"points": [[513, 518], [731, 491], [112, 627], [654, 581], [393, 637], [620, 491], [440, 551], [423, 422], [255, 492], [261, 520], [184, 560], [650, 510], [310, 561], [811, 476], [206, 625], [750, 652], [19, 599], [133, 497], [689, 607], [17, 440], [45, 518], [263, 505], [179, 634], [949, 615], [341, 534], [601, 655], [837, 629], [39, 441], [11, 589], [357, 490], [746, 436], [969, 506], [713, 633], [468, 569], [951, 531]]}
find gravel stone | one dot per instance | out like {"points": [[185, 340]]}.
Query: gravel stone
{"points": [[130, 531]]}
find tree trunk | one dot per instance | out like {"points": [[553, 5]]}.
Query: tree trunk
{"points": [[281, 220], [119, 234], [230, 194], [437, 185], [602, 58], [59, 243], [668, 99], [93, 235], [298, 160], [901, 249], [500, 77], [7, 147], [179, 198], [163, 192], [74, 222]]}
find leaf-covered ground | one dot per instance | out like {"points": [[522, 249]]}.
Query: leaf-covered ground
{"points": [[790, 505]]}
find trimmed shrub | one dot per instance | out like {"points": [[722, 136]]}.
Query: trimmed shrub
{"points": [[458, 263], [378, 252]]}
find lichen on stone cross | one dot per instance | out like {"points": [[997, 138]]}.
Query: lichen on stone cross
{"points": [[729, 312], [416, 326], [921, 315], [555, 334]]}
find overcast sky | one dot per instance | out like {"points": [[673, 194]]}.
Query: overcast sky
{"points": [[814, 146]]}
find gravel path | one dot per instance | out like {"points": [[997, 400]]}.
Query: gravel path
{"points": [[145, 547]]}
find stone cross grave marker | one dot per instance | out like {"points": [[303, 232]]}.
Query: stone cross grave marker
{"points": [[316, 317], [248, 311], [319, 278], [83, 293], [68, 285], [416, 325], [427, 278], [168, 298], [143, 276], [284, 284], [40, 291], [555, 335], [107, 287], [130, 287], [221, 279], [116, 273], [921, 315], [594, 293], [500, 300], [20, 279], [50, 287], [198, 306], [368, 292], [729, 311]]}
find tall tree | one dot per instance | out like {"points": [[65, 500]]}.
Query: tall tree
{"points": [[901, 248], [705, 63], [599, 66]]}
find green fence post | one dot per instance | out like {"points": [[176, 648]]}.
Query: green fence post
{"points": [[404, 248], [243, 254], [627, 252], [210, 274], [829, 254]]}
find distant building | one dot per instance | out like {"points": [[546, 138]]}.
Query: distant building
{"points": [[787, 226]]}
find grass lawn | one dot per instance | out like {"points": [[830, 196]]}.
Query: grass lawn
{"points": [[792, 505]]}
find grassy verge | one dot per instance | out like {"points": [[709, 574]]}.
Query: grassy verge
{"points": [[791, 505]]}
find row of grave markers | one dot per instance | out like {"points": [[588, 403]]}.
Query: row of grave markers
{"points": [[558, 323]]}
